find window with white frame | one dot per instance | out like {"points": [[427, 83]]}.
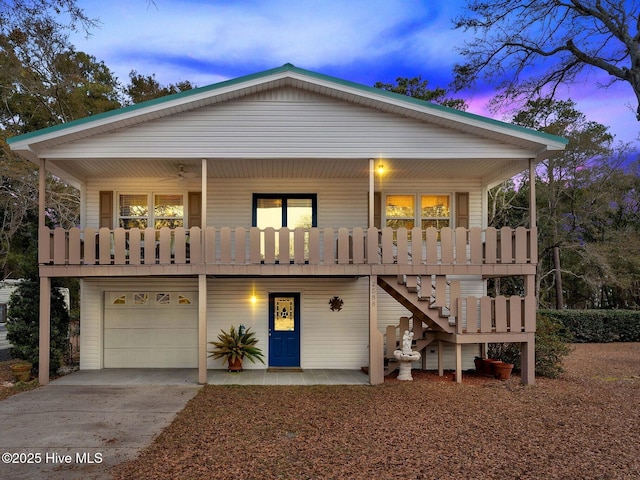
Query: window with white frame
{"points": [[156, 210], [433, 211]]}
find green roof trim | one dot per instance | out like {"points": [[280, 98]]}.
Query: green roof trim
{"points": [[287, 67]]}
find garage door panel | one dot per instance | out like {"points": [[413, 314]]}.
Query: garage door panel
{"points": [[136, 319], [151, 335], [175, 358]]}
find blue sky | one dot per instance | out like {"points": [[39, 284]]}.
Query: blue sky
{"points": [[359, 40]]}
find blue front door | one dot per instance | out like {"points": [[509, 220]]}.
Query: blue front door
{"points": [[284, 329]]}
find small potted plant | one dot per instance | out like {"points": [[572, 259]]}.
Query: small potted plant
{"points": [[234, 346], [21, 371]]}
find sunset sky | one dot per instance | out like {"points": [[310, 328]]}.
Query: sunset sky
{"points": [[362, 41]]}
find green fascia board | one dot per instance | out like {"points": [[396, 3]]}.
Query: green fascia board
{"points": [[288, 67]]}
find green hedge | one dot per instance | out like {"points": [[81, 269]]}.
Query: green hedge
{"points": [[599, 326]]}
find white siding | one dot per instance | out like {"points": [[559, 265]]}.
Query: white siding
{"points": [[291, 124], [341, 202], [7, 287], [329, 339]]}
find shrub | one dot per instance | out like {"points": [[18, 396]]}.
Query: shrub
{"points": [[599, 326], [552, 345], [23, 323]]}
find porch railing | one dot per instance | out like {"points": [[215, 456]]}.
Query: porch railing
{"points": [[315, 246]]}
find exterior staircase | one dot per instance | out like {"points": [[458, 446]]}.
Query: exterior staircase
{"points": [[433, 302], [430, 298]]}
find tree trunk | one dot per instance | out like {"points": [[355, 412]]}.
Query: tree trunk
{"points": [[558, 276]]}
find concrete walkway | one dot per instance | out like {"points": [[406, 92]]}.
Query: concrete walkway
{"points": [[80, 432], [189, 376]]}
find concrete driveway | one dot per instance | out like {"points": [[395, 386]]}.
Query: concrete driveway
{"points": [[72, 431]]}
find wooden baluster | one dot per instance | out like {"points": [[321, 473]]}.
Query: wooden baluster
{"points": [[387, 246], [432, 246], [491, 246], [165, 246], [284, 252], [314, 246], [298, 245], [241, 245], [486, 314], [403, 246], [358, 246], [446, 246], [104, 239], [134, 246], [59, 246], [328, 246], [195, 245], [269, 245], [119, 246], [461, 246], [89, 246], [209, 245], [515, 314], [506, 245], [74, 246], [501, 313]]}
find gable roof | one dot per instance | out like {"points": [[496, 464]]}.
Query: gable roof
{"points": [[28, 145]]}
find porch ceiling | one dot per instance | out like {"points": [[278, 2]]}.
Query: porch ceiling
{"points": [[485, 170]]}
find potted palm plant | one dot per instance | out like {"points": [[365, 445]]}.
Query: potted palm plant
{"points": [[236, 344]]}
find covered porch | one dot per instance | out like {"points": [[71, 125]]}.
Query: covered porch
{"points": [[189, 376]]}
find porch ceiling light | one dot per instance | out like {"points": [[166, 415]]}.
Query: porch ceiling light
{"points": [[380, 169]]}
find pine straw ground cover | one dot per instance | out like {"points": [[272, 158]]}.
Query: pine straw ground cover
{"points": [[585, 425]]}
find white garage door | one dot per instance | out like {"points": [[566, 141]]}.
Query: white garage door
{"points": [[151, 329]]}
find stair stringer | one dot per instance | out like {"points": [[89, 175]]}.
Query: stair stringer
{"points": [[419, 308]]}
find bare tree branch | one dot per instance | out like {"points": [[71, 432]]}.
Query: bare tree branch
{"points": [[541, 44]]}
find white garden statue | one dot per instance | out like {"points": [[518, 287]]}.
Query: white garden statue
{"points": [[406, 356]]}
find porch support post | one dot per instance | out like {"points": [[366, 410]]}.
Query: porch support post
{"points": [[42, 177], [376, 360], [440, 359], [372, 187], [44, 339], [458, 363], [203, 211], [202, 329], [528, 349], [528, 360], [532, 194]]}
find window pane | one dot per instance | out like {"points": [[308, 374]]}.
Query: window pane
{"points": [[435, 206], [168, 222], [171, 206], [283, 320], [396, 223], [133, 223], [133, 211], [299, 212], [269, 212], [400, 206], [134, 206], [435, 222]]}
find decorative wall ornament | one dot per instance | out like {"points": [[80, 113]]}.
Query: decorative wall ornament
{"points": [[336, 304]]}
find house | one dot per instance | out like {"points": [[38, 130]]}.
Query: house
{"points": [[7, 287], [326, 215]]}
